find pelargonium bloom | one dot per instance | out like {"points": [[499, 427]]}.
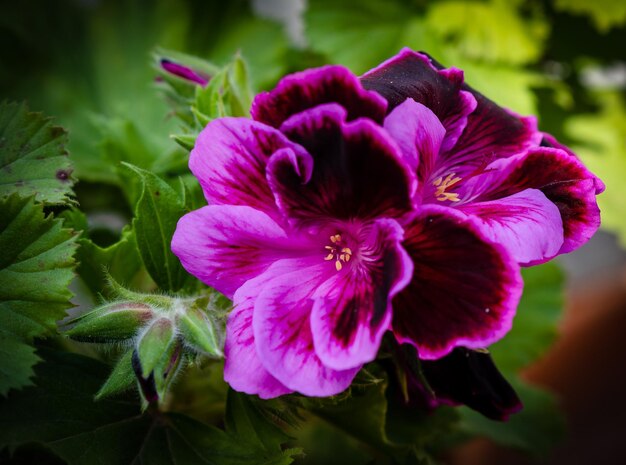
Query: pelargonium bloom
{"points": [[346, 208]]}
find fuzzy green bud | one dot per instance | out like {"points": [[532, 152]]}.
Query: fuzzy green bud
{"points": [[111, 322], [155, 344], [198, 332]]}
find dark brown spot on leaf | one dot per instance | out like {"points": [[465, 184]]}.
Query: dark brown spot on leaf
{"points": [[63, 175]]}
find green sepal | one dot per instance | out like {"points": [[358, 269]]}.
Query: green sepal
{"points": [[154, 345], [121, 379], [198, 331], [186, 141], [110, 322]]}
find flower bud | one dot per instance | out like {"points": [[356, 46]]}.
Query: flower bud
{"points": [[185, 72], [154, 344], [111, 322], [199, 333]]}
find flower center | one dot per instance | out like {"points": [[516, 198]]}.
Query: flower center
{"points": [[442, 184], [338, 252]]}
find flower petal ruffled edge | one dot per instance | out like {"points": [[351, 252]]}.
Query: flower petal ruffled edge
{"points": [[465, 288], [311, 88]]}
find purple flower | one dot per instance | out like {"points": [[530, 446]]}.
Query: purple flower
{"points": [[403, 202]]}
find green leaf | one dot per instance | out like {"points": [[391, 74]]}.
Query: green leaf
{"points": [[33, 158], [498, 34], [600, 141], [535, 324], [60, 413], [245, 417], [371, 413], [157, 211], [536, 429], [36, 267], [604, 13], [120, 261], [378, 28]]}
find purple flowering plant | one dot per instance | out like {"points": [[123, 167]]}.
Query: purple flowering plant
{"points": [[401, 203], [322, 263]]}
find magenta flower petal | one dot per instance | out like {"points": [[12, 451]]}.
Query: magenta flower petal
{"points": [[527, 224], [357, 170], [561, 177], [283, 336], [412, 75], [224, 246], [352, 310], [419, 134], [243, 369], [308, 89], [229, 159], [464, 290]]}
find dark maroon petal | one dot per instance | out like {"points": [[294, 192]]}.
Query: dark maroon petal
{"points": [[487, 131], [229, 159], [471, 378], [561, 177], [550, 141], [464, 290], [463, 376], [491, 133], [357, 170], [412, 75], [308, 89], [352, 309]]}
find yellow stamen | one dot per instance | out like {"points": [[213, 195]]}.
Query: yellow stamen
{"points": [[339, 254], [443, 184]]}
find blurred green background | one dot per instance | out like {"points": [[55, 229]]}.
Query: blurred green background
{"points": [[88, 63]]}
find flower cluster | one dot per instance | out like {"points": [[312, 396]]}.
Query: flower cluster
{"points": [[403, 201]]}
